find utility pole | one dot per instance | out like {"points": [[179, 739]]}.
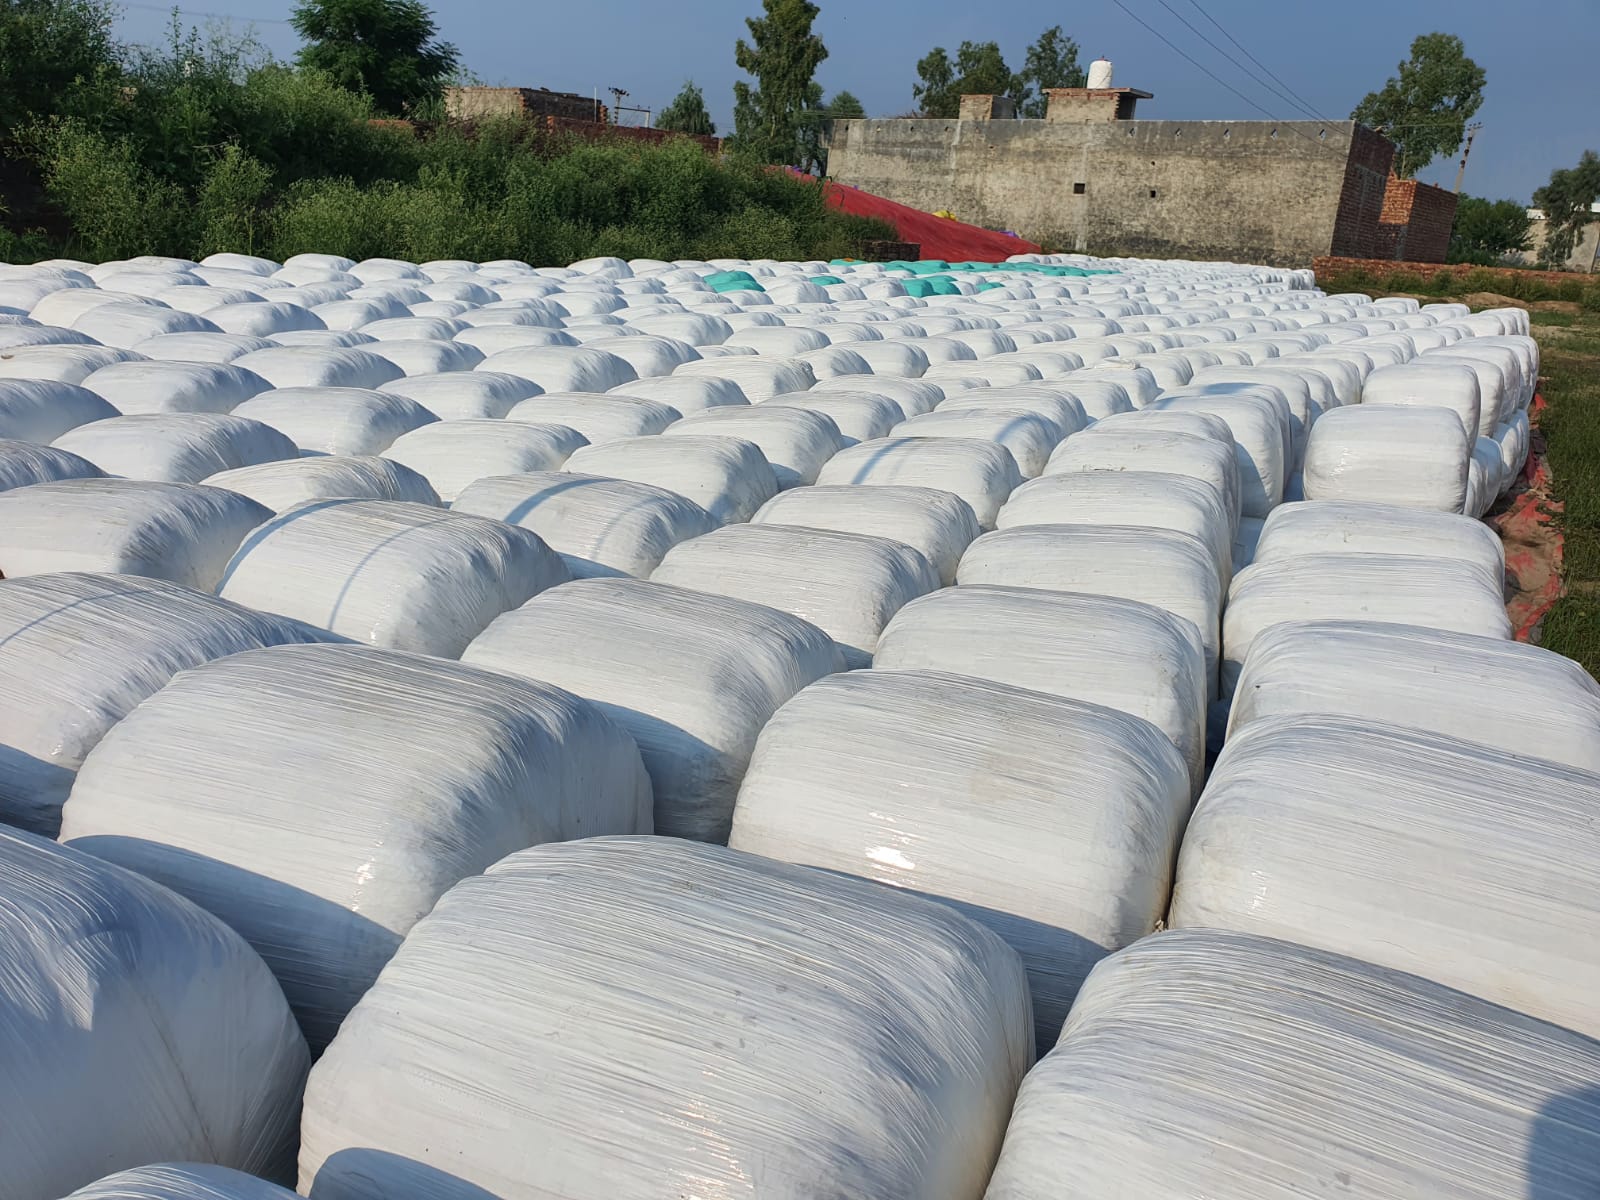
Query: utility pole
{"points": [[1472, 131]]}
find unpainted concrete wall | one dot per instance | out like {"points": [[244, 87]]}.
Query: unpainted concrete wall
{"points": [[1247, 191]]}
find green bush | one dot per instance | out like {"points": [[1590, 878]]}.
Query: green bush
{"points": [[118, 207], [230, 207]]}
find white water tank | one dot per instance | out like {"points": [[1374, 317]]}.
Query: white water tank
{"points": [[1100, 73]]}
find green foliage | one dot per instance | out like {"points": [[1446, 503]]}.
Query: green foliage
{"points": [[118, 207], [782, 55], [845, 107], [1567, 201], [1051, 62], [979, 69], [383, 48], [57, 57], [230, 206], [1425, 108], [687, 113], [1486, 232]]}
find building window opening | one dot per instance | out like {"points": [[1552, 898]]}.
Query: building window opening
{"points": [[1079, 189], [1152, 193]]}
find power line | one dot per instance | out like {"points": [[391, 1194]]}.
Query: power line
{"points": [[196, 12], [1244, 70], [1304, 107]]}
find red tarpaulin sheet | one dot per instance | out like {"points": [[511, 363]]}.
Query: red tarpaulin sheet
{"points": [[939, 237]]}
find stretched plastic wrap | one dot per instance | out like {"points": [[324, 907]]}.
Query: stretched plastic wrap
{"points": [[180, 532], [388, 573], [136, 1028], [1403, 589], [337, 420], [319, 367], [1147, 498], [1260, 445], [795, 441], [133, 388], [1448, 859], [897, 360], [1053, 822], [452, 455], [912, 395], [758, 378], [218, 785], [41, 410], [1513, 440], [124, 325], [1208, 1063], [464, 395], [1352, 527], [282, 485], [599, 526], [428, 357], [858, 416], [199, 347], [938, 524], [181, 1181], [1511, 362], [1164, 567], [1498, 385], [1126, 449], [1128, 656], [79, 651], [696, 329], [692, 677], [25, 463], [563, 368], [1483, 477], [1028, 436], [846, 584], [686, 393], [1502, 694], [728, 477], [1390, 454], [1428, 383], [883, 1037], [176, 447], [596, 416], [983, 473]]}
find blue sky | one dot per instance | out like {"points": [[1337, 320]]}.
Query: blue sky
{"points": [[1539, 112]]}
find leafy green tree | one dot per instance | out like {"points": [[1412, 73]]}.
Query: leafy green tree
{"points": [[979, 69], [1487, 231], [53, 53], [845, 107], [782, 55], [1425, 108], [1051, 62], [687, 113], [385, 48], [1568, 202]]}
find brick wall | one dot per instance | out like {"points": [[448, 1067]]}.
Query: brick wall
{"points": [[1361, 198], [1416, 221]]}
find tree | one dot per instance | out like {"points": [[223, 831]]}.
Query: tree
{"points": [[782, 55], [687, 113], [385, 48], [979, 70], [845, 107], [1424, 110], [51, 52], [1487, 231], [1568, 203], [1051, 62]]}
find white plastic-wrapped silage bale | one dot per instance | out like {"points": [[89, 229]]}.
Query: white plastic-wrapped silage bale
{"points": [[79, 651], [693, 678], [859, 416], [267, 318], [1259, 443], [389, 573], [936, 523], [1350, 527], [181, 1181], [563, 368], [1312, 1067], [176, 531], [1407, 589], [1129, 449], [25, 463], [1391, 454], [464, 395], [912, 395], [282, 485], [215, 786], [452, 455], [727, 476], [176, 447], [1164, 567], [1428, 384], [903, 1034], [1383, 842], [796, 442], [1051, 821], [134, 388], [1129, 656], [1501, 694], [847, 584], [1148, 498], [981, 472], [422, 357], [650, 357], [124, 325], [1483, 477], [1513, 438], [596, 416], [136, 1028], [686, 394], [319, 367], [41, 410], [599, 527], [337, 420], [1497, 385], [758, 378]]}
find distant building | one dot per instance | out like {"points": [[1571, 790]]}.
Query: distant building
{"points": [[1585, 252], [478, 103]]}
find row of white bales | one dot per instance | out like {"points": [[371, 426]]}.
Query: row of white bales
{"points": [[250, 514]]}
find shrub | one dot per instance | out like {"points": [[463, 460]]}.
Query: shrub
{"points": [[230, 204], [118, 208]]}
